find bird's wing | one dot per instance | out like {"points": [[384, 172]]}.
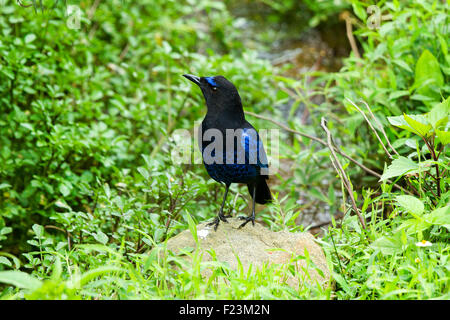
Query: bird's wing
{"points": [[254, 148]]}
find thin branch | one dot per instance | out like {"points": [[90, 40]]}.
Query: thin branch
{"points": [[92, 10], [380, 126], [431, 176], [351, 39], [371, 127], [19, 2], [341, 172], [370, 171]]}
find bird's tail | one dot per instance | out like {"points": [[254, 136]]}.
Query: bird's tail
{"points": [[263, 195]]}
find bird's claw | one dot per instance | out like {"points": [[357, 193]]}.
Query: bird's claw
{"points": [[247, 220], [220, 217]]}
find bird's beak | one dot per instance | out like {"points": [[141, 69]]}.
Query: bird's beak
{"points": [[193, 78]]}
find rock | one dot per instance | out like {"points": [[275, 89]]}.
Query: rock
{"points": [[256, 245]]}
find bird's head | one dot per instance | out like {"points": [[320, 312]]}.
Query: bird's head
{"points": [[220, 94]]}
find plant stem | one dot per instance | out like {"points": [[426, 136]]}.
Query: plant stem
{"points": [[341, 172], [324, 144], [435, 158]]}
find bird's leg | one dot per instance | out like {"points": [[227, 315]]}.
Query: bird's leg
{"points": [[221, 216], [252, 217]]}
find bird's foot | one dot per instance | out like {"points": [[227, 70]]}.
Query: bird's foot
{"points": [[220, 217], [247, 220]]}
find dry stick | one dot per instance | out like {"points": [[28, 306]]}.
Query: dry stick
{"points": [[324, 144], [380, 126], [92, 10], [351, 39], [341, 172], [371, 127], [19, 2], [90, 14]]}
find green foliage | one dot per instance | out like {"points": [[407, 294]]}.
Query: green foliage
{"points": [[427, 127], [403, 76], [80, 106], [403, 69], [385, 263], [89, 194]]}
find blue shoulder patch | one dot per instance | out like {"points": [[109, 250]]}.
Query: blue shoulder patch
{"points": [[211, 81]]}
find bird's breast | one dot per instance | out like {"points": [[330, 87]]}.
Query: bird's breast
{"points": [[232, 173]]}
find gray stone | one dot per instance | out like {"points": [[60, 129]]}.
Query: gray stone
{"points": [[255, 245]]}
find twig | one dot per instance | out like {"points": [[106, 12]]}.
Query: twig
{"points": [[380, 126], [341, 172], [324, 144], [92, 10], [19, 2], [371, 127], [348, 26], [124, 51]]}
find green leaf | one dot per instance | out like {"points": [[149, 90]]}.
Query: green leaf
{"points": [[107, 190], [30, 38], [417, 124], [5, 230], [359, 11], [317, 194], [397, 94], [411, 204], [444, 136], [64, 189], [443, 43], [427, 68], [421, 97], [440, 216], [19, 279], [399, 121], [418, 127], [27, 125], [192, 227], [341, 281], [92, 274], [38, 230], [388, 245], [4, 260], [101, 237], [403, 64], [61, 204], [8, 73], [4, 186], [439, 114], [144, 172], [399, 167]]}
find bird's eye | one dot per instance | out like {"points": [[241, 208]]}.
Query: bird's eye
{"points": [[214, 88]]}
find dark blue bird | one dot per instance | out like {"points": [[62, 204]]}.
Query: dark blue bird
{"points": [[231, 148]]}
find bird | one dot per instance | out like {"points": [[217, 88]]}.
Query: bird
{"points": [[232, 150]]}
